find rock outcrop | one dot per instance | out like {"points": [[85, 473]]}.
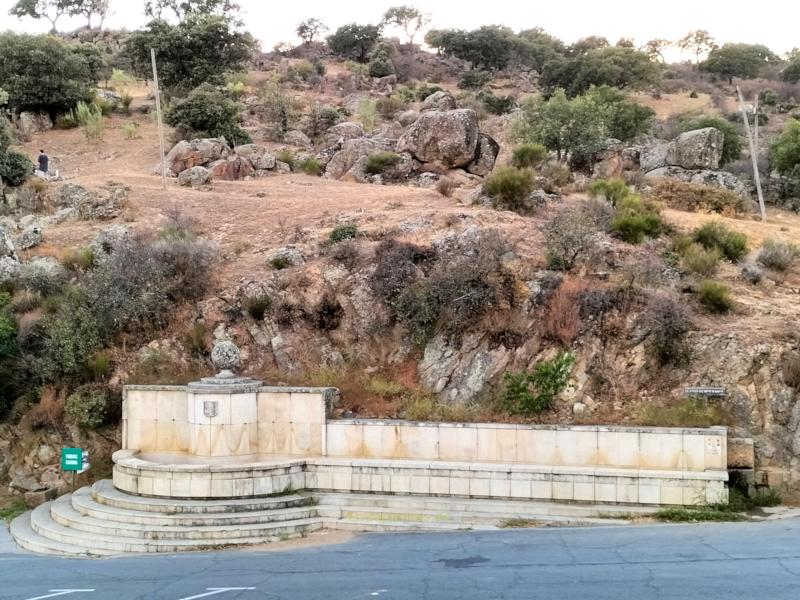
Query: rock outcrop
{"points": [[486, 153], [195, 177], [233, 168], [259, 156], [439, 101], [698, 149], [449, 138], [352, 150], [105, 203], [195, 153]]}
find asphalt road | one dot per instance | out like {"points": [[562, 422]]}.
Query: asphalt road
{"points": [[726, 561]]}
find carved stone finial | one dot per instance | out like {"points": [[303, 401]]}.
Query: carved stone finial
{"points": [[226, 357]]}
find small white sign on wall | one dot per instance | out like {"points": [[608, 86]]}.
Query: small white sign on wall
{"points": [[713, 446]]}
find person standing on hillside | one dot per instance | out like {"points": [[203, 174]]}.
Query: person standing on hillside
{"points": [[44, 165]]}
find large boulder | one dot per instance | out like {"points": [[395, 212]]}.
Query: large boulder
{"points": [[653, 154], [297, 138], [353, 150], [347, 131], [698, 149], [233, 168], [6, 245], [721, 179], [261, 158], [485, 156], [88, 205], [195, 177], [195, 153], [29, 123], [10, 269], [439, 101], [30, 238], [446, 137]]}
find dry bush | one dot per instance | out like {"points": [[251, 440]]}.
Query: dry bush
{"points": [[790, 368], [446, 186], [571, 234], [328, 313], [562, 320], [777, 255], [49, 412], [691, 197], [667, 322]]}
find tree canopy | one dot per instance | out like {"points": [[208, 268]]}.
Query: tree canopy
{"points": [[354, 41], [200, 49], [183, 9], [738, 60], [309, 30], [408, 18], [697, 42], [45, 74], [488, 47], [785, 152]]}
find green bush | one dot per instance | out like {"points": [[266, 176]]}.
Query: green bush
{"points": [[732, 245], [732, 144], [527, 156], [379, 162], [380, 67], [531, 393], [497, 105], [474, 79], [389, 107], [310, 166], [768, 97], [425, 89], [700, 260], [785, 153], [15, 167], [341, 233], [89, 116], [367, 114], [509, 188], [777, 255], [715, 296], [637, 220], [207, 112], [612, 190], [257, 305], [8, 327], [87, 407]]}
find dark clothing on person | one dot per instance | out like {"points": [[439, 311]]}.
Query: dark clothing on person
{"points": [[44, 163]]}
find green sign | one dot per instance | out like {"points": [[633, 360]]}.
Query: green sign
{"points": [[74, 459]]}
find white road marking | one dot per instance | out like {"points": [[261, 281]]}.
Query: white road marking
{"points": [[214, 592], [60, 593]]}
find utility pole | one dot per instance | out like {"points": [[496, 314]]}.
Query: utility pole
{"points": [[158, 117], [753, 153]]}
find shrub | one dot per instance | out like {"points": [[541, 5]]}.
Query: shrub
{"points": [[509, 188], [562, 321], [715, 296], [425, 89], [257, 305], [367, 114], [570, 234], [89, 116], [785, 152], [474, 79], [731, 244], [207, 112], [341, 233], [277, 107], [531, 393], [445, 186], [612, 190], [130, 131], [15, 167], [8, 327], [43, 277], [279, 262], [322, 118], [380, 67], [397, 265], [554, 175], [285, 155], [328, 313], [700, 260], [777, 255], [311, 166], [732, 143], [527, 156], [379, 162], [497, 105], [87, 407], [667, 321], [637, 219], [768, 97], [752, 273], [389, 107], [692, 197]]}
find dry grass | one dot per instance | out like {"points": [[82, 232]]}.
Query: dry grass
{"points": [[562, 321], [49, 412]]}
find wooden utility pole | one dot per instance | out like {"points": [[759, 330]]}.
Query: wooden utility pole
{"points": [[158, 117], [753, 153]]}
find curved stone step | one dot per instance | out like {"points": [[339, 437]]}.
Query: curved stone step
{"points": [[43, 524], [83, 503], [104, 492], [27, 538], [63, 513]]}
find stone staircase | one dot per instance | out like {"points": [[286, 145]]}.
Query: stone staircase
{"points": [[102, 521]]}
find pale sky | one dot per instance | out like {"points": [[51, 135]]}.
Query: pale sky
{"points": [[727, 21]]}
